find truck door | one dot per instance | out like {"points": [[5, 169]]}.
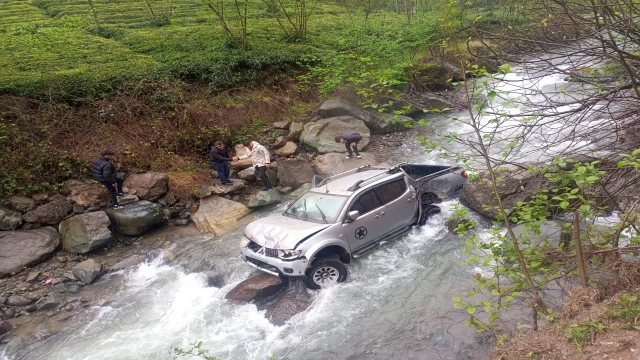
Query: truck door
{"points": [[370, 225], [399, 203]]}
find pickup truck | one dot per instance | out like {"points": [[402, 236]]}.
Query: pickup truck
{"points": [[344, 215]]}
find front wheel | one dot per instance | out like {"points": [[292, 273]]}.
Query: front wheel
{"points": [[325, 272]]}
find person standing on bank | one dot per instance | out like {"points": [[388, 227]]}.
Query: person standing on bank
{"points": [[219, 160], [104, 173], [261, 160], [350, 139]]}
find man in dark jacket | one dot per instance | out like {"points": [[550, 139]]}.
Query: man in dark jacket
{"points": [[350, 139], [104, 172], [219, 160]]}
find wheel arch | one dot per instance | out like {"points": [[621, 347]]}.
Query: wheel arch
{"points": [[325, 249]]}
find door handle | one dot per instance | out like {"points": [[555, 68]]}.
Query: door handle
{"points": [[379, 214]]}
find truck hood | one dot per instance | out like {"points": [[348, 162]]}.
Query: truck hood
{"points": [[281, 232]]}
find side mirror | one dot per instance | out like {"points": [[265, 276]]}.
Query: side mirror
{"points": [[353, 215]]}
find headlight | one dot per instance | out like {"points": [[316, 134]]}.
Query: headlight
{"points": [[289, 254], [244, 242]]}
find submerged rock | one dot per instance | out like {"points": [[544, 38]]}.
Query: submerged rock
{"points": [[83, 233], [263, 198], [22, 248], [257, 287], [290, 304], [136, 218]]}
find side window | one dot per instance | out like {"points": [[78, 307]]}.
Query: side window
{"points": [[366, 202], [391, 191]]}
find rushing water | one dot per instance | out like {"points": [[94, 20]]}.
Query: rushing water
{"points": [[396, 303]]}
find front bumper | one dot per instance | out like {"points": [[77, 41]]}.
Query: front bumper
{"points": [[274, 266]]}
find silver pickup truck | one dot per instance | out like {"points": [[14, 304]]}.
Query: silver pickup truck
{"points": [[345, 215]]}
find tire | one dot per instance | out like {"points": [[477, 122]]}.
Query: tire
{"points": [[332, 270], [428, 212]]}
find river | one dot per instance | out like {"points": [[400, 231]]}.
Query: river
{"points": [[396, 303]]}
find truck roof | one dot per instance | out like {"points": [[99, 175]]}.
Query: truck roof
{"points": [[342, 185]]}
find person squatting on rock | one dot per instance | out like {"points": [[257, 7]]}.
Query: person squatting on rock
{"points": [[261, 160], [104, 173], [219, 160], [350, 139]]}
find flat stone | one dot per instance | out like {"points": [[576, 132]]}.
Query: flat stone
{"points": [[87, 271], [48, 303], [18, 300], [33, 276], [127, 199], [257, 287], [218, 215]]}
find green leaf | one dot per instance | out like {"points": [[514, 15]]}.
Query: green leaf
{"points": [[470, 309], [491, 95]]}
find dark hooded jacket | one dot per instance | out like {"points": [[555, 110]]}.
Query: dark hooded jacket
{"points": [[103, 171], [350, 137], [219, 156]]}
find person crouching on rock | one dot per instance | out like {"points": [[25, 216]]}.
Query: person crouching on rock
{"points": [[219, 160], [350, 139], [261, 160], [104, 173]]}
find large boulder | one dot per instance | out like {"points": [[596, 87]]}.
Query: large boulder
{"points": [[50, 213], [516, 185], [87, 271], [272, 174], [22, 248], [248, 174], [299, 191], [241, 164], [218, 215], [287, 149], [294, 172], [257, 287], [22, 203], [378, 123], [295, 130], [86, 232], [148, 186], [88, 195], [293, 302], [136, 218], [321, 134], [335, 163], [264, 198], [9, 219]]}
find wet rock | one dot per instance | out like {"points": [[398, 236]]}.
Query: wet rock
{"points": [[131, 261], [5, 327], [18, 300], [287, 306], [9, 219], [280, 142], [87, 271], [336, 163], [284, 125], [50, 213], [295, 130], [83, 233], [127, 199], [294, 172], [300, 191], [257, 287], [48, 303], [148, 186], [248, 174], [320, 135], [264, 198], [87, 195], [22, 203], [377, 123], [241, 164], [218, 215], [214, 278], [288, 149], [22, 248], [237, 186], [136, 218], [517, 185]]}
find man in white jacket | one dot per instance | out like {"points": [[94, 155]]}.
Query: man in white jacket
{"points": [[261, 160]]}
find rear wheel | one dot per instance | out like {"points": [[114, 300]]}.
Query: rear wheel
{"points": [[428, 212], [324, 272]]}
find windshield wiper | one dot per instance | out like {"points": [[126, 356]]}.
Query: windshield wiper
{"points": [[324, 218], [305, 209]]}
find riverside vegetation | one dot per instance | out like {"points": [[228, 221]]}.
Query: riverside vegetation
{"points": [[159, 80]]}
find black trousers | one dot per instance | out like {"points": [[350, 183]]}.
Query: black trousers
{"points": [[262, 174], [355, 147], [113, 194]]}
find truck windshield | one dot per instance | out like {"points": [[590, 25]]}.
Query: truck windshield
{"points": [[313, 206]]}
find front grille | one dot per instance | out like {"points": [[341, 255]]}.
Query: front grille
{"points": [[261, 264], [271, 252]]}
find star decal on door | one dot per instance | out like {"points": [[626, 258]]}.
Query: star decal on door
{"points": [[361, 232]]}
